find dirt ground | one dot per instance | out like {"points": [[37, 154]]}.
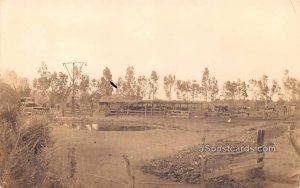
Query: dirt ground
{"points": [[99, 153]]}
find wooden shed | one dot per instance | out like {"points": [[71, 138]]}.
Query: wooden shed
{"points": [[121, 105]]}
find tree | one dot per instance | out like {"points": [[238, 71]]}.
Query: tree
{"points": [[291, 87], [183, 89], [23, 87], [253, 88], [205, 83], [264, 88], [195, 90], [94, 87], [84, 89], [178, 89], [186, 89], [169, 82], [142, 87], [213, 88], [9, 100], [42, 83], [267, 90], [59, 88], [129, 84], [275, 89], [243, 90], [11, 78], [230, 89], [121, 84], [153, 85], [104, 87]]}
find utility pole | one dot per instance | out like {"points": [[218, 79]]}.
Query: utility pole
{"points": [[73, 79]]}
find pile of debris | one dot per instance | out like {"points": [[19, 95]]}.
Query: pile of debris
{"points": [[185, 166]]}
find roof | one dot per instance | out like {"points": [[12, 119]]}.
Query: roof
{"points": [[171, 101], [117, 99], [133, 99]]}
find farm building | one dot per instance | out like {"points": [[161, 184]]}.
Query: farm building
{"points": [[118, 105]]}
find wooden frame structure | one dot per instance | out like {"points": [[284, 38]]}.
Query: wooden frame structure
{"points": [[151, 108]]}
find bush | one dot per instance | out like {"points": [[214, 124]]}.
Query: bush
{"points": [[23, 162]]}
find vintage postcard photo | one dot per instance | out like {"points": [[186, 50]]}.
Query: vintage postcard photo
{"points": [[149, 94]]}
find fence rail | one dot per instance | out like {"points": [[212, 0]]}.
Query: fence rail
{"points": [[232, 166], [77, 112], [240, 162], [149, 112], [232, 170]]}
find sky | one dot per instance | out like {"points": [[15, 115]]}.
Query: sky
{"points": [[233, 38]]}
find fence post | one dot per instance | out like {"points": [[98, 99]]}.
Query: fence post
{"points": [[291, 148], [72, 166], [92, 112], [202, 183], [203, 141], [146, 111], [131, 178], [152, 109], [260, 142]]}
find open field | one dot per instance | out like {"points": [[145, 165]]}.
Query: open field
{"points": [[99, 153]]}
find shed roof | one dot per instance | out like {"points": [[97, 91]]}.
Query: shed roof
{"points": [[117, 99], [132, 99]]}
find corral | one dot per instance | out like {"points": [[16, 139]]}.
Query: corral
{"points": [[117, 105], [121, 106]]}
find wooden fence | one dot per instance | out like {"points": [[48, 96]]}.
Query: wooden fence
{"points": [[295, 151], [237, 164], [240, 162], [77, 112], [153, 112]]}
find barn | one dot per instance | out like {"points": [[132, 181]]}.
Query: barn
{"points": [[119, 105]]}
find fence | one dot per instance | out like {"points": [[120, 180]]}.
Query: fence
{"points": [[295, 148], [152, 112], [239, 162], [231, 166], [77, 112]]}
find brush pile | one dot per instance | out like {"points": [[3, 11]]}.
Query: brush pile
{"points": [[26, 147], [23, 160]]}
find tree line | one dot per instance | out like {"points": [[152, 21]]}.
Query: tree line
{"points": [[56, 87]]}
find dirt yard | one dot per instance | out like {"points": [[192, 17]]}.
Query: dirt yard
{"points": [[99, 153]]}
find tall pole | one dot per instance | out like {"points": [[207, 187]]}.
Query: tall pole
{"points": [[73, 80], [73, 95]]}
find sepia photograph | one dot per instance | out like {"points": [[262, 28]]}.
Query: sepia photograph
{"points": [[149, 94]]}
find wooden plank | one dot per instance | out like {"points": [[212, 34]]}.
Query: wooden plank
{"points": [[137, 111], [217, 165], [143, 111], [232, 170], [260, 142], [218, 173], [229, 153], [247, 158], [234, 161], [131, 178], [294, 143]]}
